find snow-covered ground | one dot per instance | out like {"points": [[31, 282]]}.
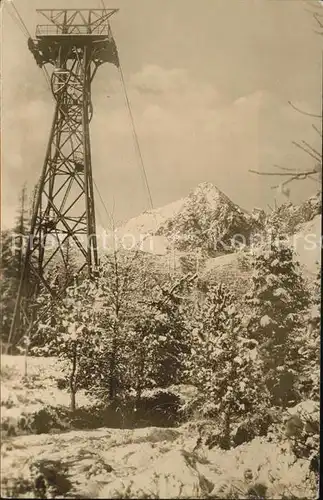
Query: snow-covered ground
{"points": [[141, 463], [151, 220], [40, 389], [307, 245], [158, 463]]}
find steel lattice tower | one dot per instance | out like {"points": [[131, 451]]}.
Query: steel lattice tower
{"points": [[75, 42]]}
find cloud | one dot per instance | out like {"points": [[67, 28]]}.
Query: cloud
{"points": [[176, 108], [188, 133], [175, 87], [154, 79]]}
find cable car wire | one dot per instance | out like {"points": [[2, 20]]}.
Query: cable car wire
{"points": [[20, 18], [133, 126], [24, 30], [135, 136]]}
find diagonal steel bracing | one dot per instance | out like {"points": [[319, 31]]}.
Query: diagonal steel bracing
{"points": [[75, 42]]}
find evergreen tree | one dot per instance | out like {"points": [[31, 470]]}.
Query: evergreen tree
{"points": [[277, 301], [158, 337], [224, 364], [73, 335], [63, 267], [21, 229], [139, 314], [33, 200], [128, 332], [12, 255], [307, 347], [9, 281]]}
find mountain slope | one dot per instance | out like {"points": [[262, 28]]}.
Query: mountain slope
{"points": [[289, 218], [206, 219], [205, 222], [150, 221], [307, 245]]}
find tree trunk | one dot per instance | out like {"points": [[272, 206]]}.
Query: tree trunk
{"points": [[227, 431], [113, 378], [26, 362], [73, 379], [112, 382], [73, 400], [140, 377]]}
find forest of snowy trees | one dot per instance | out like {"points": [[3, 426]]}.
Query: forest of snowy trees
{"points": [[134, 328], [201, 361]]}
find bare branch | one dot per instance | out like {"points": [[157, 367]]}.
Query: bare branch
{"points": [[317, 19], [316, 129], [311, 5], [297, 177], [292, 176], [272, 173], [304, 146], [313, 179], [305, 150], [291, 170], [312, 149], [304, 112], [282, 168]]}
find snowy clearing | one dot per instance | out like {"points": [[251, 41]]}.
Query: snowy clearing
{"points": [[153, 462]]}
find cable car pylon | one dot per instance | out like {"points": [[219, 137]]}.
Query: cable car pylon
{"points": [[75, 42]]}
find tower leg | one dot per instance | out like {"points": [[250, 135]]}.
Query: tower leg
{"points": [[64, 210]]}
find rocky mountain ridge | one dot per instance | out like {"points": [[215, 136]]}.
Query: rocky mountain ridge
{"points": [[196, 232], [206, 219]]}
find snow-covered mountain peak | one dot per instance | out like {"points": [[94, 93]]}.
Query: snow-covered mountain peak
{"points": [[200, 220], [151, 220], [209, 192]]}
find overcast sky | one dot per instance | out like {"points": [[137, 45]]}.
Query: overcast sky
{"points": [[209, 82]]}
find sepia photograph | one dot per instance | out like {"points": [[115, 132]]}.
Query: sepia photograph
{"points": [[161, 179]]}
